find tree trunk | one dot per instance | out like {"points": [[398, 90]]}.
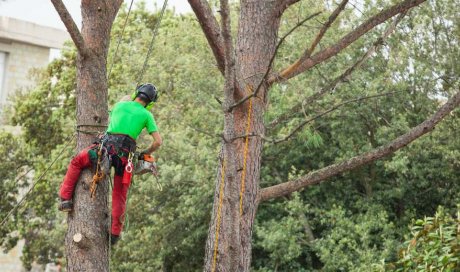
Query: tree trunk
{"points": [[256, 43], [257, 40], [91, 216]]}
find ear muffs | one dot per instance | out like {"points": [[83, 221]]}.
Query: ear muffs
{"points": [[149, 105], [133, 96]]}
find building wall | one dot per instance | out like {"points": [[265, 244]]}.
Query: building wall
{"points": [[23, 47], [10, 262], [21, 58], [26, 46]]}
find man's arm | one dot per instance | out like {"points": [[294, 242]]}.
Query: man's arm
{"points": [[157, 141]]}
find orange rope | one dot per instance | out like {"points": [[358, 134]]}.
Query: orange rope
{"points": [[222, 183], [99, 175], [219, 211], [245, 156]]}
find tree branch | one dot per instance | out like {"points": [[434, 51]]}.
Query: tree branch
{"points": [[319, 176], [69, 23], [323, 30], [342, 78], [301, 66], [211, 30], [282, 5], [254, 94], [309, 120]]}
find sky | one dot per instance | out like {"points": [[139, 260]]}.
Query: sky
{"points": [[42, 11]]}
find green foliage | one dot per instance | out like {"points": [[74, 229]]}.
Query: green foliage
{"points": [[282, 238], [360, 218], [353, 241], [353, 222], [159, 216], [433, 246], [13, 169]]}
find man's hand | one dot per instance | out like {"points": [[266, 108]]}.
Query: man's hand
{"points": [[156, 143]]}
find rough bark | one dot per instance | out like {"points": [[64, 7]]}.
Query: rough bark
{"points": [[256, 43], [90, 217], [222, 243], [70, 25], [282, 5]]}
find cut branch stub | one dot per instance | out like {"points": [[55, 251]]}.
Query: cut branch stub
{"points": [[81, 241]]}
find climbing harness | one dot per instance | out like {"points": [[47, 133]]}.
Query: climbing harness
{"points": [[111, 151]]}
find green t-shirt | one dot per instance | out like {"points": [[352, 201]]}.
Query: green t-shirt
{"points": [[130, 117]]}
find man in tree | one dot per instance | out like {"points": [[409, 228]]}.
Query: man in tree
{"points": [[127, 120]]}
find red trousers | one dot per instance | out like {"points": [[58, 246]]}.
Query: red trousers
{"points": [[120, 190]]}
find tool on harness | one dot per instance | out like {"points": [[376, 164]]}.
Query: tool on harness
{"points": [[128, 173], [146, 164]]}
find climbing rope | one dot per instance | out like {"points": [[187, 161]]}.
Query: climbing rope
{"points": [[110, 221], [155, 30], [245, 155], [99, 175], [137, 83], [67, 141], [119, 40], [77, 129], [219, 215], [222, 182]]}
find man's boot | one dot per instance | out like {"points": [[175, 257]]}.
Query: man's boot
{"points": [[65, 205], [114, 239]]}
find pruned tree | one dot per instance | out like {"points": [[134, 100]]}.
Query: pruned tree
{"points": [[87, 235], [246, 62]]}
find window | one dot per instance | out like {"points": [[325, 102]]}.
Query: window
{"points": [[2, 77]]}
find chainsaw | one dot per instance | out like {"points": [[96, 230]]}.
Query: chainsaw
{"points": [[146, 164]]}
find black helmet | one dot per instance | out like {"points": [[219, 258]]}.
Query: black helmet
{"points": [[148, 90]]}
